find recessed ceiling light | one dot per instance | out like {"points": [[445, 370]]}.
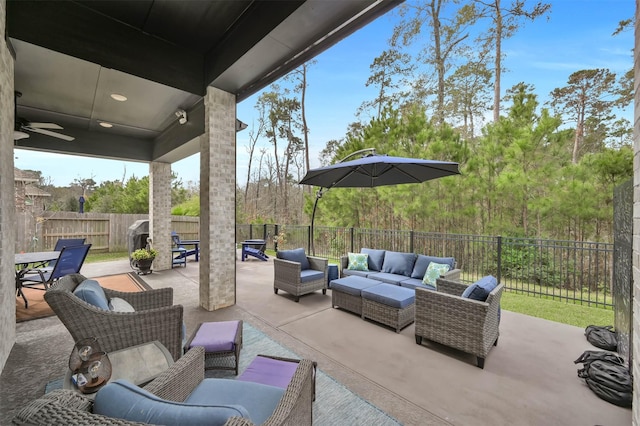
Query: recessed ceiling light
{"points": [[118, 97], [105, 124]]}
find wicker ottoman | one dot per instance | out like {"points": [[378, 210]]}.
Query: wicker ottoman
{"points": [[222, 342], [389, 304], [346, 292]]}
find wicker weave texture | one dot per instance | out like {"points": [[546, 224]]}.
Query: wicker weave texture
{"points": [[65, 407], [346, 301], [468, 325], [393, 317], [155, 318], [286, 276]]}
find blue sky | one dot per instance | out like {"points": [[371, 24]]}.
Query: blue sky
{"points": [[544, 53]]}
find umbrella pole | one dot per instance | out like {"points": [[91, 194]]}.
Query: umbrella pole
{"points": [[313, 218]]}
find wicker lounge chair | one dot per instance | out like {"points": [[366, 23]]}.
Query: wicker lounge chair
{"points": [[175, 384], [469, 325], [297, 278], [155, 317]]}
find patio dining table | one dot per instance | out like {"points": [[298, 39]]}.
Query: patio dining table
{"points": [[22, 262]]}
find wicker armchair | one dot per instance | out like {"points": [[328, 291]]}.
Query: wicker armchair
{"points": [[444, 317], [288, 276], [155, 318], [70, 408]]}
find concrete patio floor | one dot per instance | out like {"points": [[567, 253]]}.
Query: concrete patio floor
{"points": [[528, 379]]}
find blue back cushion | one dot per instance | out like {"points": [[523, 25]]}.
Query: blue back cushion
{"points": [[91, 292], [480, 289], [295, 255], [376, 258], [123, 400], [422, 263], [398, 263]]}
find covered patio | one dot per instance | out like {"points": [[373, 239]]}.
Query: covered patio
{"points": [[528, 379]]}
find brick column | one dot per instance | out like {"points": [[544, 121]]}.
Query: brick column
{"points": [[7, 202], [636, 226], [160, 213], [217, 201]]}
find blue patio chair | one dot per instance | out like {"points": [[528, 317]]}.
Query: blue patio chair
{"points": [[179, 252], [60, 244], [69, 262]]}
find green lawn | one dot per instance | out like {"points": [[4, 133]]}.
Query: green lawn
{"points": [[104, 257], [553, 310]]}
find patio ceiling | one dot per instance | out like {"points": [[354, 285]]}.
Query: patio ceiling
{"points": [[161, 54]]}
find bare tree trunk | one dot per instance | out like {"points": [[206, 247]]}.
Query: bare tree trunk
{"points": [[253, 139], [305, 129], [439, 60], [498, 63]]}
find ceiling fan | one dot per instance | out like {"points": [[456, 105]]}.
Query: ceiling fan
{"points": [[22, 126]]}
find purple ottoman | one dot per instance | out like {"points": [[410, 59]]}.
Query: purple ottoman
{"points": [[222, 342], [273, 371]]}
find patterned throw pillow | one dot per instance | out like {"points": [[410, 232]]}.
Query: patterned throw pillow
{"points": [[358, 262], [434, 271]]}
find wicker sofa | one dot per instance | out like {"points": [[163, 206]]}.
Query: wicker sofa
{"points": [[175, 384], [445, 317], [155, 317], [399, 268]]}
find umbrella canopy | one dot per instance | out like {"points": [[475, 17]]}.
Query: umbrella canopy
{"points": [[378, 170]]}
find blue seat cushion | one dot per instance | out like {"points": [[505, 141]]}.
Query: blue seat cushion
{"points": [[258, 399], [91, 292], [422, 263], [396, 262], [355, 273], [376, 258], [123, 400], [412, 283], [480, 289], [295, 255], [307, 275], [388, 278], [353, 285], [390, 295]]}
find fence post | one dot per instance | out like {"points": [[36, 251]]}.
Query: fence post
{"points": [[309, 237], [411, 241], [264, 232], [275, 240], [499, 273], [351, 238]]}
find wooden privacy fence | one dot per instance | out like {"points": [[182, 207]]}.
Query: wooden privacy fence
{"points": [[107, 232]]}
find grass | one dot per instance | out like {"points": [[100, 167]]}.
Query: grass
{"points": [[552, 310], [105, 257], [555, 310]]}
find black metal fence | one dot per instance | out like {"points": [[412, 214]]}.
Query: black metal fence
{"points": [[573, 271]]}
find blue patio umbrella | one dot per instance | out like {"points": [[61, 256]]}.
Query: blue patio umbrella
{"points": [[375, 170]]}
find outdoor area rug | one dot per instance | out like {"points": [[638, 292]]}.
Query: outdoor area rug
{"points": [[334, 405], [38, 308]]}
